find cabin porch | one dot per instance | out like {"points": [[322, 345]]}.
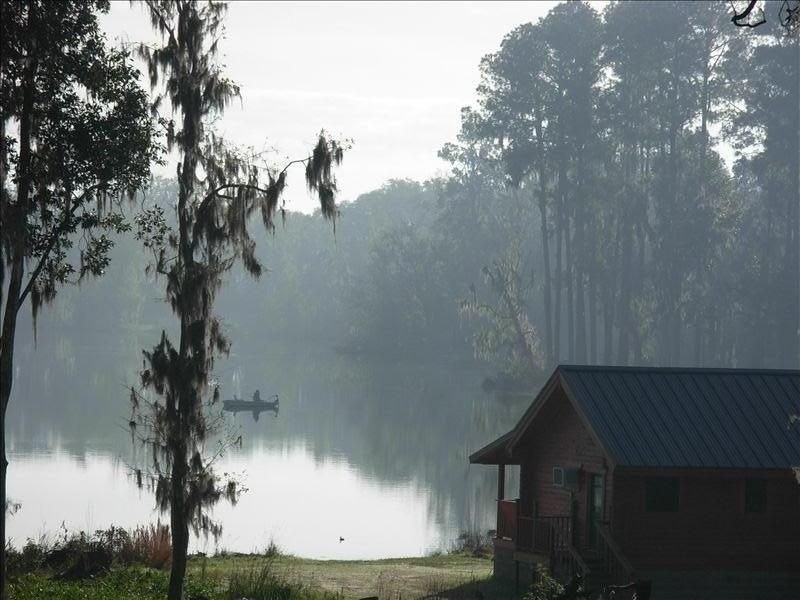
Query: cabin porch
{"points": [[525, 538]]}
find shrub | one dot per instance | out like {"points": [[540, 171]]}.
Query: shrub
{"points": [[30, 558], [80, 555], [151, 546], [547, 588], [473, 543], [272, 550]]}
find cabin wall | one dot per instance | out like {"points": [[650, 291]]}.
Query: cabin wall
{"points": [[559, 438], [710, 529]]}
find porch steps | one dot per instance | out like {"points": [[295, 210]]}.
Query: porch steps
{"points": [[597, 578]]}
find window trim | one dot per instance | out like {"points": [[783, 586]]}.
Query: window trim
{"points": [[558, 481]]}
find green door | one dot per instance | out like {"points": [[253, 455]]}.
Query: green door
{"points": [[596, 496]]}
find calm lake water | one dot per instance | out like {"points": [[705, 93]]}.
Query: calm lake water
{"points": [[374, 453]]}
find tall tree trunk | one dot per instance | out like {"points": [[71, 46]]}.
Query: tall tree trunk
{"points": [[548, 292], [639, 272], [569, 259], [608, 317], [580, 265], [181, 513], [580, 303], [548, 309], [6, 381], [566, 232], [179, 523], [626, 275], [592, 317], [703, 318], [16, 219], [557, 315]]}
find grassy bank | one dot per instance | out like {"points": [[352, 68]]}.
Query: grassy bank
{"points": [[280, 577], [391, 578]]}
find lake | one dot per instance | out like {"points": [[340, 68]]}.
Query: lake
{"points": [[375, 453]]}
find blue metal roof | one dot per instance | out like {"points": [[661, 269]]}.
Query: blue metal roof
{"points": [[676, 417]]}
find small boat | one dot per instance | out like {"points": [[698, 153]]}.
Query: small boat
{"points": [[237, 404], [255, 405]]}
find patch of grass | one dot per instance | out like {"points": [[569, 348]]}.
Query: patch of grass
{"points": [[456, 588], [68, 568], [118, 584], [265, 584]]}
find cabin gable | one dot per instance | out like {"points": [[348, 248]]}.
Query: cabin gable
{"points": [[559, 438]]}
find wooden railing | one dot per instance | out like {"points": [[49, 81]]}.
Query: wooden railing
{"points": [[566, 563], [507, 519], [613, 560], [553, 536], [550, 535], [541, 534], [525, 533]]}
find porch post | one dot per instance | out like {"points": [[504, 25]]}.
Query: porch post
{"points": [[501, 482], [501, 491]]}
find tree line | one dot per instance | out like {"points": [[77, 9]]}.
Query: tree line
{"points": [[650, 249], [625, 191]]}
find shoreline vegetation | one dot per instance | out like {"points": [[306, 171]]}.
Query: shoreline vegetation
{"points": [[120, 564]]}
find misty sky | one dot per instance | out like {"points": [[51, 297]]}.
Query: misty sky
{"points": [[391, 76]]}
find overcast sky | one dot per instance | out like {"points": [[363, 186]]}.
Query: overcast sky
{"points": [[391, 76]]}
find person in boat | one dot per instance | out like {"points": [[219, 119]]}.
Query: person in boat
{"points": [[257, 396]]}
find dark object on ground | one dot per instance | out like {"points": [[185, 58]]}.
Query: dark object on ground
{"points": [[640, 589], [80, 564]]}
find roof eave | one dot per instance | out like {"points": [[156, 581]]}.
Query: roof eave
{"points": [[496, 452]]}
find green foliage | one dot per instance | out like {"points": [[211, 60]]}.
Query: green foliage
{"points": [[90, 139], [118, 584], [82, 554], [82, 142], [545, 587]]}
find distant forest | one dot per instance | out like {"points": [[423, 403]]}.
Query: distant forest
{"points": [[625, 191]]}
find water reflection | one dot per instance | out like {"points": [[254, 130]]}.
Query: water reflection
{"points": [[304, 504], [375, 453]]}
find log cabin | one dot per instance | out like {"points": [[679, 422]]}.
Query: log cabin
{"points": [[685, 478]]}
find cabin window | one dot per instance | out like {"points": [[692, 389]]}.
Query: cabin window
{"points": [[558, 477], [755, 495], [661, 494]]}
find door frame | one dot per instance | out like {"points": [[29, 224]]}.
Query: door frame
{"points": [[591, 538]]}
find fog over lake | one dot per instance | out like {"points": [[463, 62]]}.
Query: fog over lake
{"points": [[374, 453]]}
